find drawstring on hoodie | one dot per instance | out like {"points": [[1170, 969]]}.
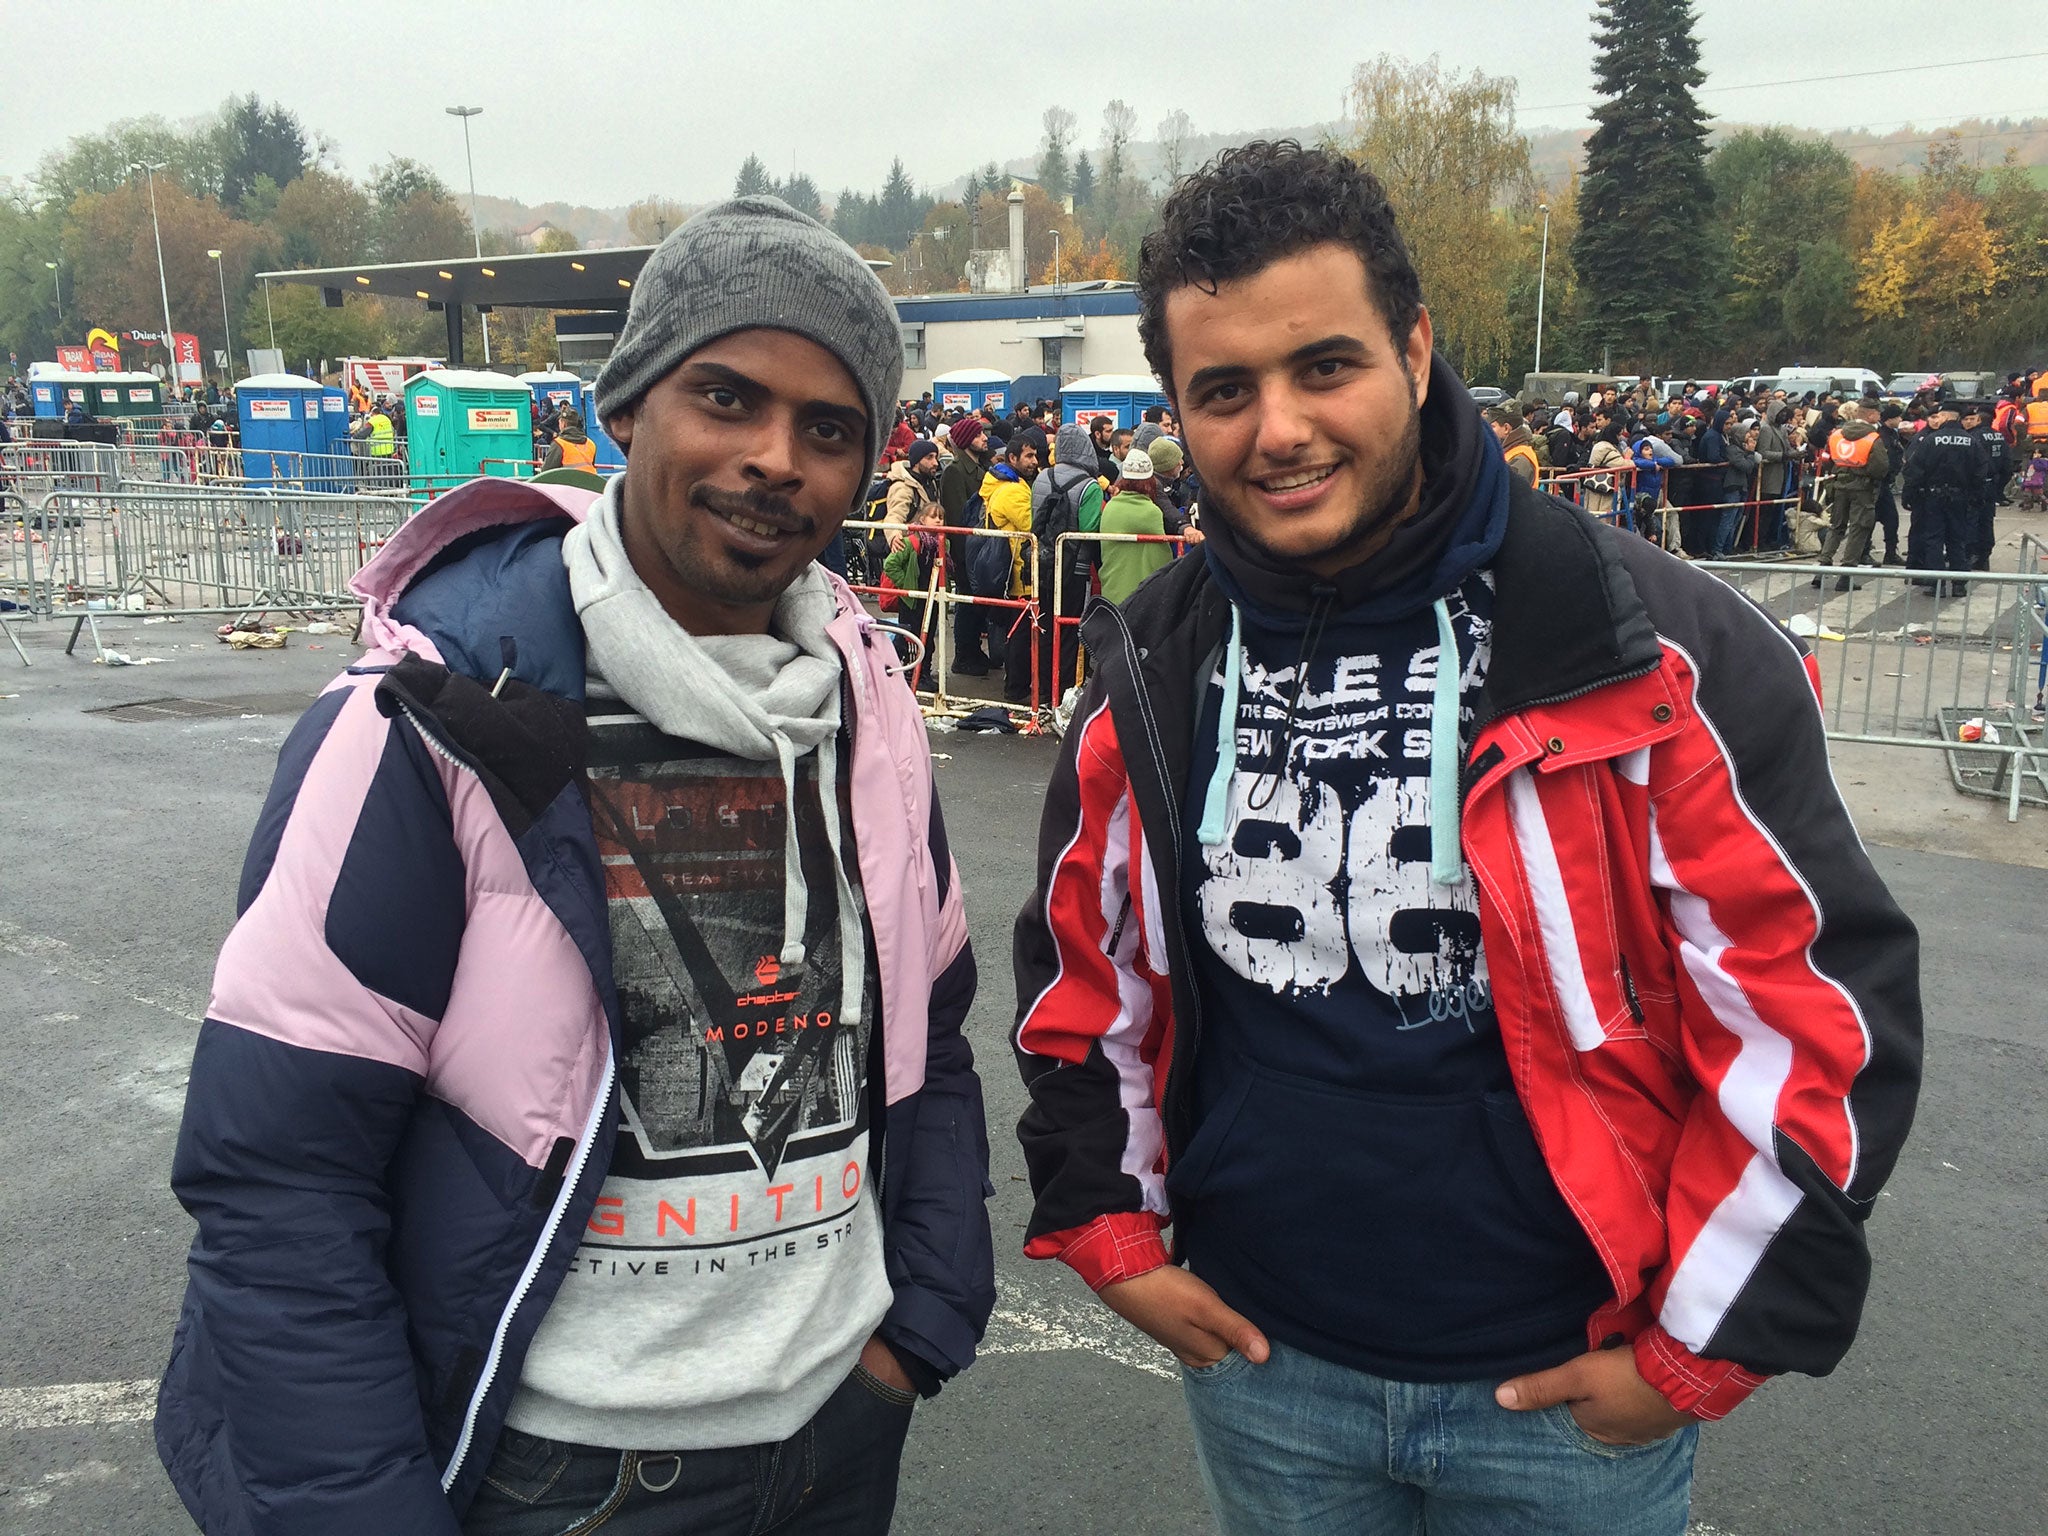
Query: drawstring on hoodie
{"points": [[1446, 853], [1262, 793], [1446, 856]]}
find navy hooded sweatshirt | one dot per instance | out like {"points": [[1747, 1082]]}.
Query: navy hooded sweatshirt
{"points": [[1362, 1182]]}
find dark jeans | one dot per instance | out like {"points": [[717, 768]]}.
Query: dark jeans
{"points": [[970, 622], [834, 1477]]}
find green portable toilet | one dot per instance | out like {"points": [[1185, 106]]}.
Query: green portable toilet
{"points": [[461, 423], [126, 394]]}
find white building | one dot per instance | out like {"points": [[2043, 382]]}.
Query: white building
{"points": [[1051, 335]]}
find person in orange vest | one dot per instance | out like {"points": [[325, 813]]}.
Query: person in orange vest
{"points": [[572, 448], [1515, 442], [1859, 465], [2037, 417]]}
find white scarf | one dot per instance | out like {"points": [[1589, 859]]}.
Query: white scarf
{"points": [[766, 698]]}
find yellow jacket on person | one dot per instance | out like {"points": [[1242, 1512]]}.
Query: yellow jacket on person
{"points": [[1008, 500], [383, 441]]}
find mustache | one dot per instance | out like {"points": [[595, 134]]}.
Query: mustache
{"points": [[762, 506]]}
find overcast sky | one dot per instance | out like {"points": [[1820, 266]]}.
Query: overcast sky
{"points": [[606, 101]]}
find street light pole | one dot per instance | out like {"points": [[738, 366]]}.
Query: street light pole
{"points": [[1055, 259], [268, 318], [57, 282], [475, 230], [1542, 271], [225, 330], [163, 287]]}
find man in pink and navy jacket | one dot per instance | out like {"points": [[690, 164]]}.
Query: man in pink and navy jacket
{"points": [[582, 1127]]}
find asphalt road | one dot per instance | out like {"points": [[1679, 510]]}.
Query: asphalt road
{"points": [[119, 845]]}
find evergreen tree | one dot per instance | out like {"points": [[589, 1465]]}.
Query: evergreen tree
{"points": [[753, 179], [900, 209], [1642, 252], [1084, 180], [801, 193]]}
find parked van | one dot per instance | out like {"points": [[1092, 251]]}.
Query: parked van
{"points": [[1551, 388], [1829, 381]]}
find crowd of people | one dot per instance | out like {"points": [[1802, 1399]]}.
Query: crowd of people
{"points": [[1022, 473], [1714, 472], [1710, 473]]}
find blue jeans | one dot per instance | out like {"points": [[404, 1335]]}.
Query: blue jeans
{"points": [[834, 1477], [1726, 531], [1301, 1447]]}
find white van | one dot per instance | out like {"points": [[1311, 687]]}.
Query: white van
{"points": [[1833, 381]]}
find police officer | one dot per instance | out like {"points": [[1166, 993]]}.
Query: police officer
{"points": [[1998, 460], [1887, 503], [1945, 473]]}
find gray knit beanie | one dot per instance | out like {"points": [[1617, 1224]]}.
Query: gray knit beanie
{"points": [[755, 262]]}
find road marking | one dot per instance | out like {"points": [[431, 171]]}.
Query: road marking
{"points": [[85, 1402], [1041, 1330], [58, 956]]}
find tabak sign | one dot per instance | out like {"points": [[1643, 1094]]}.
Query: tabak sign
{"points": [[75, 359]]}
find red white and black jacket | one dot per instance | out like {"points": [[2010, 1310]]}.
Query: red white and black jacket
{"points": [[1708, 999]]}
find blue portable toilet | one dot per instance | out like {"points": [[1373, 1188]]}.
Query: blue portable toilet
{"points": [[551, 386], [611, 458], [293, 430], [55, 391], [969, 389], [1122, 397]]}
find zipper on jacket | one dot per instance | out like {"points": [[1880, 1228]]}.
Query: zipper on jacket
{"points": [[1185, 1041], [1628, 991]]}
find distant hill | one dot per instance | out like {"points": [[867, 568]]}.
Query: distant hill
{"points": [[1553, 154]]}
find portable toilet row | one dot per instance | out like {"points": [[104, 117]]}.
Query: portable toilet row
{"points": [[969, 389], [461, 423], [294, 429], [55, 391], [126, 394], [1122, 397]]}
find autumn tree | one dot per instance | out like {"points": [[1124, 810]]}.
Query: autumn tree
{"points": [[941, 249], [1445, 146], [415, 218], [650, 221], [1643, 253]]}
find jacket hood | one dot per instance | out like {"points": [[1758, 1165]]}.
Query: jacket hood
{"points": [[1073, 446], [1456, 528]]}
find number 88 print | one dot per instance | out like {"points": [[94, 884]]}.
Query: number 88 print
{"points": [[1294, 888]]}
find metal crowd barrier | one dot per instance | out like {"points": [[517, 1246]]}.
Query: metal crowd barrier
{"points": [[79, 555], [937, 629], [1903, 666]]}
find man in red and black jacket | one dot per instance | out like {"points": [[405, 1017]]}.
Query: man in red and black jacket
{"points": [[1447, 922]]}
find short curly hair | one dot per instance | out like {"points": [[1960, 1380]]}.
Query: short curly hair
{"points": [[1257, 203]]}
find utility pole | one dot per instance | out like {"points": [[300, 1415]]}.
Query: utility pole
{"points": [[226, 330], [163, 287], [475, 230], [1542, 271], [57, 282]]}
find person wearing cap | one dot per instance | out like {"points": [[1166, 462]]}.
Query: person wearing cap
{"points": [[1944, 471], [1512, 434], [572, 447], [1859, 465], [1132, 510], [913, 483], [1976, 417], [960, 495], [1426, 870], [582, 1132]]}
